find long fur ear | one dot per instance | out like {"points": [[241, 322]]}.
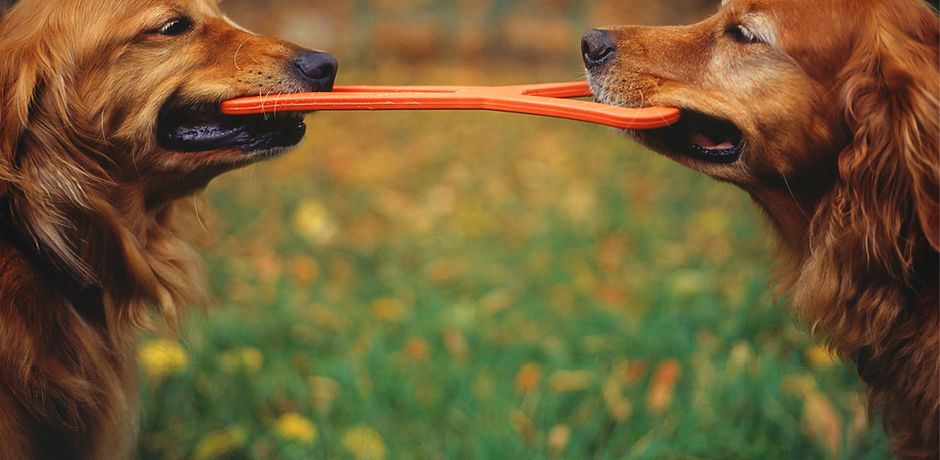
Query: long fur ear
{"points": [[52, 164], [33, 86], [890, 174], [870, 286], [19, 78], [56, 170]]}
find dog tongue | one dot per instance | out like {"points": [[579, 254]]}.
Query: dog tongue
{"points": [[704, 142]]}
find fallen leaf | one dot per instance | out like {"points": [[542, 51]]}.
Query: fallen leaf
{"points": [[662, 386]]}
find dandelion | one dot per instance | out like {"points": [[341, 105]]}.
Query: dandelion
{"points": [[161, 358], [220, 443], [252, 359], [821, 357], [364, 443], [294, 427], [313, 222], [388, 309], [249, 359]]}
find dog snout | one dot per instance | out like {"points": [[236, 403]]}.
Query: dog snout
{"points": [[597, 48], [318, 69]]}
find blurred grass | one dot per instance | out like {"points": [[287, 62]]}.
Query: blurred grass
{"points": [[477, 285], [485, 285]]}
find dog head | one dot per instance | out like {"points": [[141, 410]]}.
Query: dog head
{"points": [[127, 92], [109, 114], [758, 82], [791, 100]]}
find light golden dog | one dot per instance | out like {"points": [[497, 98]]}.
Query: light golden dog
{"points": [[108, 116]]}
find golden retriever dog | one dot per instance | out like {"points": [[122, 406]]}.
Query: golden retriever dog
{"points": [[108, 117], [826, 113]]}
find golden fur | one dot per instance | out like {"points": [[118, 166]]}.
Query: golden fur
{"points": [[99, 105], [826, 112]]}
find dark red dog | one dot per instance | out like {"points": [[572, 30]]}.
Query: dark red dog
{"points": [[826, 112]]}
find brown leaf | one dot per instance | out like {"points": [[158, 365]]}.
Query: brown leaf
{"points": [[528, 377], [822, 423], [663, 385]]}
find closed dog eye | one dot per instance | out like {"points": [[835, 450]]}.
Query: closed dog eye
{"points": [[174, 27]]}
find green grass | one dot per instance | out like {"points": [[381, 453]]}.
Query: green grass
{"points": [[472, 285]]}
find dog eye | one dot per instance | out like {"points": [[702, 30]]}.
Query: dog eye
{"points": [[175, 27], [742, 34]]}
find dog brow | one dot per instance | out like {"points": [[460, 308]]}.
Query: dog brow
{"points": [[762, 26]]}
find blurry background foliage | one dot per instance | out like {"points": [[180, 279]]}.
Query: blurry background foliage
{"points": [[450, 285]]}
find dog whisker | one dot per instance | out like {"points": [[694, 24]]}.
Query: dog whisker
{"points": [[235, 57]]}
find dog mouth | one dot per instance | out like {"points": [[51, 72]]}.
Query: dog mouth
{"points": [[195, 128], [712, 139], [702, 137]]}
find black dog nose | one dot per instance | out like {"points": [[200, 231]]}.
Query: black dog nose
{"points": [[597, 48], [318, 69]]}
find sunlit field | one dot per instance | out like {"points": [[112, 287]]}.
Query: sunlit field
{"points": [[479, 285]]}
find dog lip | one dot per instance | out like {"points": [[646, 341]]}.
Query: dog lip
{"points": [[715, 155], [192, 129]]}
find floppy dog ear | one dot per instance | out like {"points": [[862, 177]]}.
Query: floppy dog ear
{"points": [[44, 151], [20, 78], [890, 177]]}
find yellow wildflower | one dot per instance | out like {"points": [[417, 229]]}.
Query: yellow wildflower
{"points": [[364, 443], [295, 427], [249, 359], [220, 443], [821, 357], [313, 221], [160, 358], [389, 309]]}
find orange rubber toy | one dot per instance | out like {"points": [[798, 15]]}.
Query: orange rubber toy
{"points": [[548, 99]]}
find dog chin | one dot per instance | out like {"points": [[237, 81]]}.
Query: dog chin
{"points": [[267, 154]]}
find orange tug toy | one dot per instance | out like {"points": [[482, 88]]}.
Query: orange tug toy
{"points": [[548, 99]]}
